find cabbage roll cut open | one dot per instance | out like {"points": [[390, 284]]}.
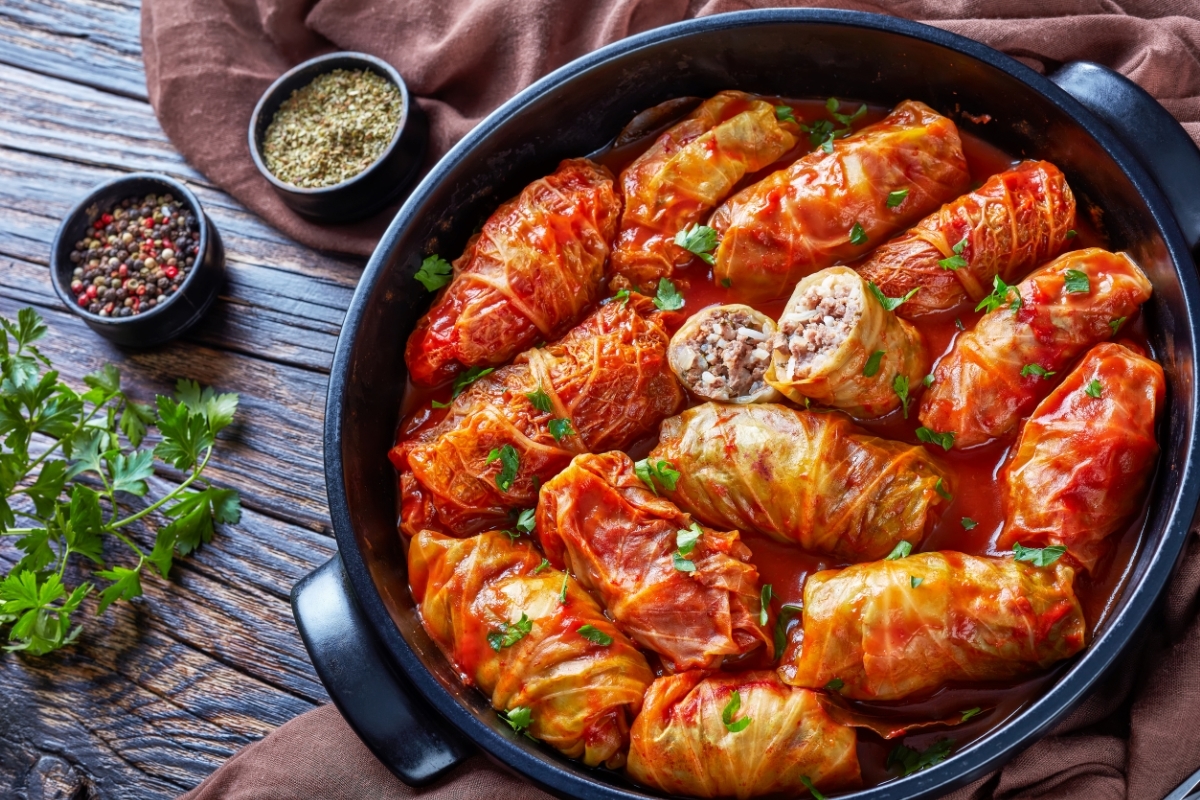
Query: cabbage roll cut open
{"points": [[528, 275], [685, 592], [685, 174], [532, 640], [1083, 460], [721, 353], [739, 735], [1014, 222], [899, 628], [811, 479], [998, 371], [832, 207], [839, 346]]}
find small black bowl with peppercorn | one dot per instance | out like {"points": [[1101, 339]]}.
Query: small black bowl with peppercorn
{"points": [[138, 260], [338, 136]]}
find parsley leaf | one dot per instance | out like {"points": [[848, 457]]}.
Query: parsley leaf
{"points": [[946, 440], [685, 540], [699, 240], [622, 296], [1076, 282], [668, 297], [787, 612], [731, 709], [971, 712], [785, 114], [764, 604], [1038, 370], [900, 387], [835, 685], [955, 261], [436, 404], [942, 491], [510, 462], [928, 380], [540, 400], [808, 784], [726, 282], [909, 760], [958, 323], [435, 272], [562, 593], [1094, 389], [545, 563], [660, 471], [465, 379], [872, 365], [1001, 292], [682, 564], [897, 197], [1071, 234], [968, 523], [891, 303], [525, 520], [1115, 324], [1039, 556], [518, 718], [857, 234], [560, 428], [914, 581], [901, 550], [594, 634], [508, 635]]}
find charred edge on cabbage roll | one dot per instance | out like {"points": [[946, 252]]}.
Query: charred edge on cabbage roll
{"points": [[722, 353]]}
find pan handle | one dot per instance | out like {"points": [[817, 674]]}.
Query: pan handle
{"points": [[386, 713], [1154, 137]]}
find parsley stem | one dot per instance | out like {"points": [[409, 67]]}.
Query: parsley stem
{"points": [[19, 531], [112, 527], [58, 442]]}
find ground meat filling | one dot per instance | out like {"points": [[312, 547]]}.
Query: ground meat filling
{"points": [[726, 358], [816, 327]]}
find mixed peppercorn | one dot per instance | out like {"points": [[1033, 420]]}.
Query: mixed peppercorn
{"points": [[136, 256]]}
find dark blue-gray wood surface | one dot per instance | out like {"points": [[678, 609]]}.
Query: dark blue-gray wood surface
{"points": [[159, 692]]}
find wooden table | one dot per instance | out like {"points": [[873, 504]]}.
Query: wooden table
{"points": [[160, 691]]}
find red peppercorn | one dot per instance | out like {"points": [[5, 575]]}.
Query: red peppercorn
{"points": [[141, 290], [107, 218], [170, 272], [91, 291], [83, 301], [123, 270], [98, 224]]}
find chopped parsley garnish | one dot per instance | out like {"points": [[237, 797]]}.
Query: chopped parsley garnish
{"points": [[660, 471], [958, 324], [562, 593], [891, 303], [545, 563], [968, 523], [699, 240], [1039, 556], [509, 463], [928, 380], [941, 489], [622, 296], [808, 784], [900, 387], [785, 114], [858, 235], [436, 404], [971, 712], [1115, 324], [833, 105], [731, 709], [525, 520], [786, 613], [1075, 282], [1038, 370], [686, 539], [955, 261], [1094, 389], [467, 378], [682, 564], [764, 603], [835, 685], [518, 718], [726, 282], [946, 440], [435, 272], [999, 296], [668, 297], [560, 428], [540, 400], [594, 634], [508, 635], [872, 365], [896, 198], [914, 581], [820, 134], [1071, 234], [901, 550], [910, 760]]}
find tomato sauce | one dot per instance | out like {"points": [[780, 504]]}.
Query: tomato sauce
{"points": [[974, 473]]}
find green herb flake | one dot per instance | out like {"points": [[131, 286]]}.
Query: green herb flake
{"points": [[699, 240], [808, 784], [835, 685], [510, 462], [891, 303], [914, 581], [1039, 556], [1037, 370], [927, 380], [562, 593], [656, 473], [958, 323], [436, 404], [764, 604], [621, 297], [900, 387], [942, 491], [872, 365], [594, 634], [968, 523], [682, 564], [435, 272], [518, 718], [1094, 389], [971, 712], [668, 297], [525, 520], [1076, 282], [787, 612], [730, 711], [540, 400], [685, 540], [545, 563], [909, 760], [1071, 234], [508, 635], [952, 263], [560, 428], [1115, 325], [785, 114], [945, 440], [462, 381], [857, 235], [1001, 293], [896, 198], [726, 282], [901, 550]]}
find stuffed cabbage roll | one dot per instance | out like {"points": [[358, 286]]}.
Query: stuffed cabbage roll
{"points": [[529, 275], [839, 346], [1012, 223], [532, 640], [721, 353], [832, 207], [692, 738], [893, 629], [688, 593], [684, 174], [997, 372], [599, 388], [810, 478], [1083, 460]]}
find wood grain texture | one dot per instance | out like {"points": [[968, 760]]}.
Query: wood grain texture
{"points": [[160, 691]]}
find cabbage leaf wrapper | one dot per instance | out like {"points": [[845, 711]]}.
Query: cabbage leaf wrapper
{"points": [[1015, 221], [582, 695], [688, 170], [838, 346], [828, 208], [681, 744], [529, 275], [809, 478], [608, 377], [1081, 465], [893, 629], [620, 540], [998, 371]]}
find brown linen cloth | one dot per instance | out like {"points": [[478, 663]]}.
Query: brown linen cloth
{"points": [[207, 61]]}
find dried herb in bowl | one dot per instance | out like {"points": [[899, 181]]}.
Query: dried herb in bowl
{"points": [[332, 129]]}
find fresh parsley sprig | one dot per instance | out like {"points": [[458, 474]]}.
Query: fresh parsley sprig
{"points": [[72, 466]]}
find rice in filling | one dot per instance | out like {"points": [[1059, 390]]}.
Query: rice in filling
{"points": [[817, 326], [727, 357]]}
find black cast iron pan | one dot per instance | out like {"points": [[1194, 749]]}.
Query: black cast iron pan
{"points": [[1123, 154]]}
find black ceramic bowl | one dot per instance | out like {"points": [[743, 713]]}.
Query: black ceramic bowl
{"points": [[356, 614], [168, 319], [377, 185]]}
